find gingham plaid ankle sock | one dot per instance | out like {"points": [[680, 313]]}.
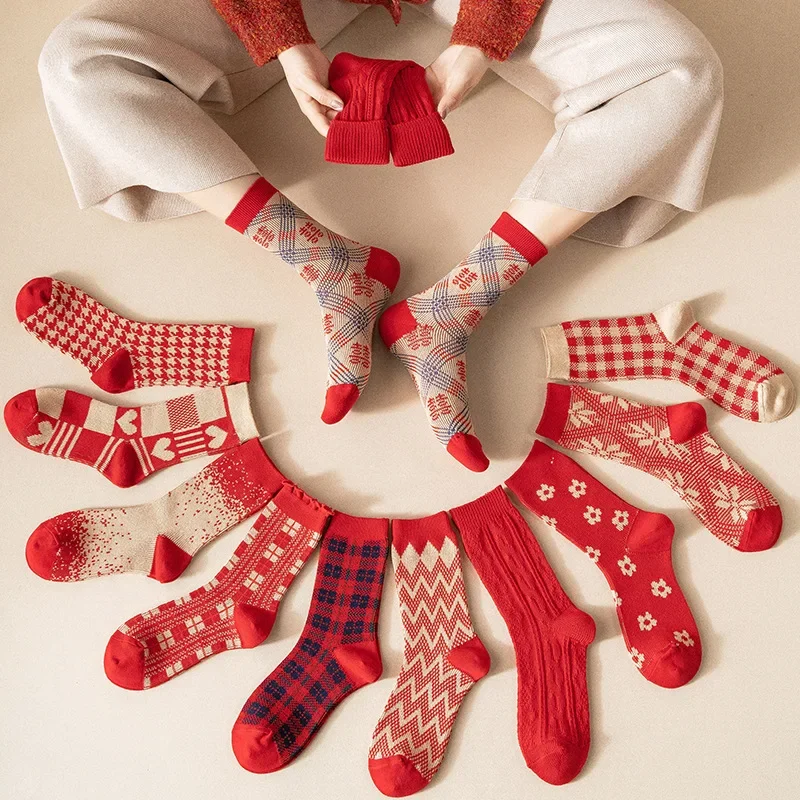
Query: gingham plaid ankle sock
{"points": [[337, 652], [123, 354], [671, 443], [352, 283], [670, 344], [128, 443], [236, 609], [429, 332]]}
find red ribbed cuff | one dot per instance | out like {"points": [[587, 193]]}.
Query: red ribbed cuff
{"points": [[254, 199], [302, 508], [359, 530], [474, 516], [239, 355], [358, 142], [418, 532], [519, 237], [556, 408], [261, 471], [419, 140]]}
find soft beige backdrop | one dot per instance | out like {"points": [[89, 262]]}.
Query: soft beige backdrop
{"points": [[69, 734]]}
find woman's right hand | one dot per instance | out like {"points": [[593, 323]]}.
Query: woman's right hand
{"points": [[306, 70]]}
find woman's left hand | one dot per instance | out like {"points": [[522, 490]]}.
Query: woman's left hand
{"points": [[454, 74]]}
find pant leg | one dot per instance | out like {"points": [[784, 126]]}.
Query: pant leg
{"points": [[636, 91], [127, 84]]}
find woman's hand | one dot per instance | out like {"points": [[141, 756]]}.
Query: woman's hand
{"points": [[454, 75], [306, 70]]}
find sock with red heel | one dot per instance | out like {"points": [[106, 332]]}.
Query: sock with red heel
{"points": [[633, 548], [429, 332], [337, 652], [671, 443], [442, 657], [352, 283], [236, 609], [123, 354]]}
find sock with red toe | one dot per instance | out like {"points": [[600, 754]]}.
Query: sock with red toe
{"points": [[442, 657], [157, 539], [429, 332], [236, 609], [352, 283], [123, 354], [128, 443], [671, 443], [337, 652], [550, 635], [633, 548]]}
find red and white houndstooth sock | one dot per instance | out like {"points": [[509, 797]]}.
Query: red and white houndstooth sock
{"points": [[352, 283], [128, 443], [429, 332], [236, 609], [123, 354], [670, 344], [671, 443], [633, 548], [442, 657], [158, 538]]}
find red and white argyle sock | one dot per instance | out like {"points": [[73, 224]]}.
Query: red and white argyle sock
{"points": [[670, 344], [442, 657], [123, 354], [352, 283], [633, 548], [671, 443], [236, 609], [128, 443], [550, 635], [158, 538], [429, 332]]}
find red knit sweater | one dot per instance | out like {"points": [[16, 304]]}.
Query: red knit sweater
{"points": [[268, 27]]}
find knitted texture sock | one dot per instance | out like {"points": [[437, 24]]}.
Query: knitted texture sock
{"points": [[128, 443], [352, 283], [670, 344], [236, 609], [158, 538], [550, 635], [429, 332], [123, 354], [633, 548], [337, 652], [442, 657], [671, 443]]}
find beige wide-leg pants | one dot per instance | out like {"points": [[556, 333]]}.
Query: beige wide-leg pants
{"points": [[635, 89]]}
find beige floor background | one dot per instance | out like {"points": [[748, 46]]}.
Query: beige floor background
{"points": [[68, 733]]}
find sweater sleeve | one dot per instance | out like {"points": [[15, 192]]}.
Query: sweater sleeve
{"points": [[266, 27], [494, 26]]}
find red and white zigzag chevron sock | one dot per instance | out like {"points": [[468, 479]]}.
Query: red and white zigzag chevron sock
{"points": [[158, 538], [352, 283], [429, 332], [671, 443], [550, 635], [128, 443], [670, 344], [121, 353], [633, 548], [442, 657], [236, 609]]}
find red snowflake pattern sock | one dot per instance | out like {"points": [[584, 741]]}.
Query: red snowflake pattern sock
{"points": [[549, 633], [633, 548], [157, 539], [670, 344], [236, 609], [671, 443], [128, 443], [442, 657], [352, 283], [123, 354]]}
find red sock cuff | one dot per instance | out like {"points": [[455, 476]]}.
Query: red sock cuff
{"points": [[302, 508], [530, 475], [358, 142], [554, 414], [239, 355], [254, 199], [477, 514], [259, 468], [519, 237], [357, 530], [418, 532]]}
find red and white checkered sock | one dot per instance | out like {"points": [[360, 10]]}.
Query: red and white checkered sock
{"points": [[123, 354], [352, 283], [429, 332], [670, 344], [128, 443], [236, 609], [157, 539], [671, 443]]}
